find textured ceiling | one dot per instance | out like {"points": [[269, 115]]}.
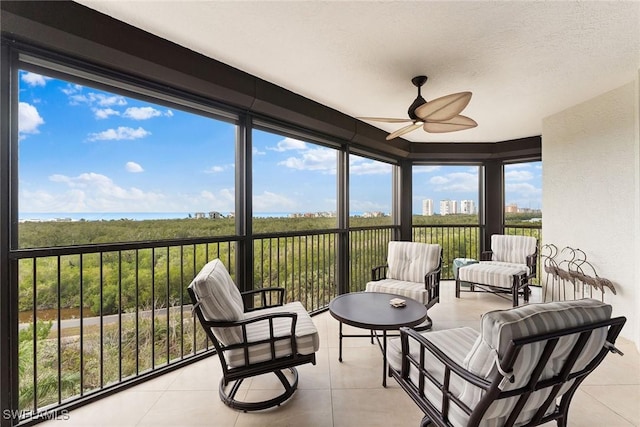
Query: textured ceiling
{"points": [[523, 61]]}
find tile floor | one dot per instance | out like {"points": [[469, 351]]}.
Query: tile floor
{"points": [[347, 394]]}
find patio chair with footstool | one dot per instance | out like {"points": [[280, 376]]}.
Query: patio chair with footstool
{"points": [[507, 268]]}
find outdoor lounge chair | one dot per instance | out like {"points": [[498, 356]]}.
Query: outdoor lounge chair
{"points": [[412, 270], [506, 268], [523, 368], [270, 338]]}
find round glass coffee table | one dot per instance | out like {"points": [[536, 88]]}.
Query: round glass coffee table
{"points": [[373, 311]]}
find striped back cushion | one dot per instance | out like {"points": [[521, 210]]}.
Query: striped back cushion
{"points": [[219, 299], [513, 249], [411, 261], [500, 327]]}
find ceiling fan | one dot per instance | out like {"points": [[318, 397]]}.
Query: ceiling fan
{"points": [[437, 116]]}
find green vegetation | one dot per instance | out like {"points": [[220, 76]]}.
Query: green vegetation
{"points": [[136, 283]]}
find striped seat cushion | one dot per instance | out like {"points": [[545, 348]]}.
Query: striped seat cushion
{"points": [[414, 290], [513, 249], [493, 273], [219, 299], [411, 261], [455, 343], [307, 339], [500, 327]]}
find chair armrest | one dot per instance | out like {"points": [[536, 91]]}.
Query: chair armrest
{"points": [[379, 272], [272, 292], [486, 255], [432, 279], [269, 317], [405, 333], [418, 363]]}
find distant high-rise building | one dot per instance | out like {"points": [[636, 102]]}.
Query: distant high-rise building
{"points": [[448, 207], [467, 207], [427, 207], [512, 208]]}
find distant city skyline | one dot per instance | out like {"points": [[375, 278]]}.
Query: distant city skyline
{"points": [[128, 155]]}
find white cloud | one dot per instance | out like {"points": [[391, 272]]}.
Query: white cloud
{"points": [[318, 159], [272, 202], [93, 99], [133, 167], [457, 182], [207, 201], [120, 133], [522, 189], [215, 169], [33, 79], [93, 192], [28, 119], [168, 113], [105, 113], [289, 144], [257, 152], [141, 113], [72, 89], [369, 168], [518, 175]]}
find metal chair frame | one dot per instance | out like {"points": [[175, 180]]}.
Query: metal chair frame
{"points": [[492, 390], [232, 377]]}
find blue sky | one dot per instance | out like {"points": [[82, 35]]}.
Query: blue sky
{"points": [[86, 150]]}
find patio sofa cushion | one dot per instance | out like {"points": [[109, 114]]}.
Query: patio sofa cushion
{"points": [[411, 261], [307, 339], [493, 273], [500, 327], [414, 290], [512, 249], [455, 343], [219, 298]]}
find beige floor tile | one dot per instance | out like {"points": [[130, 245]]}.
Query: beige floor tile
{"points": [[622, 399], [190, 408], [361, 367], [380, 407], [306, 408], [122, 409], [348, 393]]}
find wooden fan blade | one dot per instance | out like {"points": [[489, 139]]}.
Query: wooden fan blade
{"points": [[402, 131], [455, 124], [385, 119], [444, 108]]}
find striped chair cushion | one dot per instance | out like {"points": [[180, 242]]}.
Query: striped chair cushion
{"points": [[219, 298], [414, 290], [455, 343], [307, 339], [513, 249], [492, 273], [411, 261], [501, 326]]}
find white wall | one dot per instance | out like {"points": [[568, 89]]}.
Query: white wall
{"points": [[591, 191]]}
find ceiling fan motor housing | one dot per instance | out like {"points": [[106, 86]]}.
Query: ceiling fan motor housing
{"points": [[418, 81]]}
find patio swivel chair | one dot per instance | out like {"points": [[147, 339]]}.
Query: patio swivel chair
{"points": [[270, 338], [507, 268], [523, 368], [413, 271]]}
